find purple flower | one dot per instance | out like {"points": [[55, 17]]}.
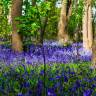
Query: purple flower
{"points": [[65, 79], [77, 83], [51, 79], [87, 92], [42, 72], [93, 85], [58, 77], [20, 94], [51, 92], [26, 84], [57, 85]]}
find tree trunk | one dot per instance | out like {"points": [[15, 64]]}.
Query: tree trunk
{"points": [[33, 2], [90, 33], [87, 26], [9, 16], [66, 11], [94, 53], [85, 29], [1, 8], [43, 30], [43, 23], [16, 12], [94, 45]]}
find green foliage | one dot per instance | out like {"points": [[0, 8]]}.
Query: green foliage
{"points": [[52, 24], [76, 18], [5, 28], [33, 17]]}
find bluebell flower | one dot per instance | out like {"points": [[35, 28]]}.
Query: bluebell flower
{"points": [[75, 86], [40, 84], [58, 77], [30, 92], [51, 79], [26, 84], [93, 85], [42, 72], [20, 94], [50, 92], [87, 92], [65, 79], [77, 83], [39, 89], [56, 85]]}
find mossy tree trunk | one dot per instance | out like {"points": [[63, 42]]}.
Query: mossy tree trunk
{"points": [[16, 11], [94, 45], [94, 53], [33, 2]]}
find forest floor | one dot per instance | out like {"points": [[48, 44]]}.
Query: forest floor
{"points": [[51, 70]]}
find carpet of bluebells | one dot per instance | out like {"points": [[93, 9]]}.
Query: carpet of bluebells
{"points": [[53, 52], [68, 71]]}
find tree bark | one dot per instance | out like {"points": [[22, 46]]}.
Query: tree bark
{"points": [[33, 2], [66, 11], [16, 12], [85, 29], [90, 33], [9, 16], [94, 45], [87, 26], [43, 30], [1, 8], [94, 53]]}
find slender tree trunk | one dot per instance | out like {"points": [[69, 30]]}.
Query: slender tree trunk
{"points": [[85, 29], [1, 14], [43, 26], [87, 26], [90, 33], [33, 2], [1, 8], [43, 30], [94, 49], [94, 53], [76, 2], [66, 11], [16, 12], [94, 44], [9, 16]]}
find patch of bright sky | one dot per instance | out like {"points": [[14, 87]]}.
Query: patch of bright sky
{"points": [[59, 3]]}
